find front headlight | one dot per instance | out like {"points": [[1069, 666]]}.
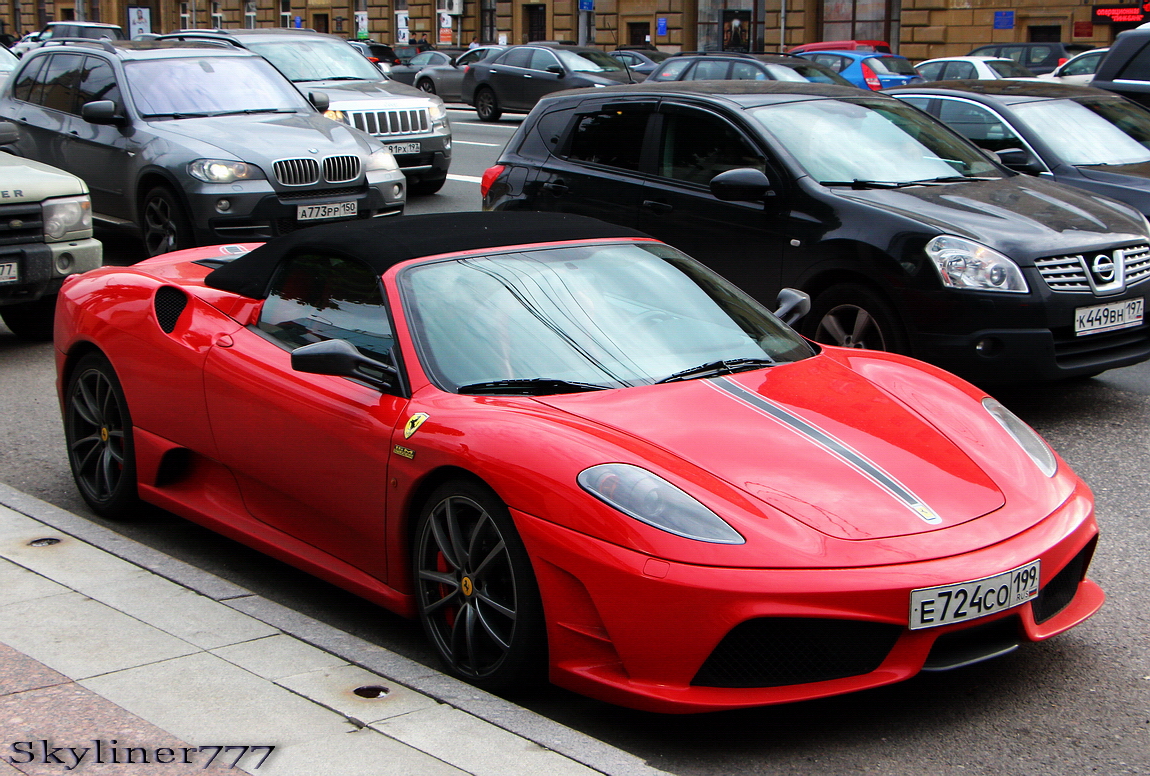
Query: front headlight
{"points": [[67, 216], [438, 110], [966, 264], [224, 171], [1026, 437], [336, 115], [652, 500], [381, 160]]}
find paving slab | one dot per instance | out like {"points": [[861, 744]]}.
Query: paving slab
{"points": [[275, 657], [336, 688], [362, 751], [19, 584]]}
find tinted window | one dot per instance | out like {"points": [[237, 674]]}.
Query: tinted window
{"points": [[58, 83], [28, 79], [1086, 64], [316, 298], [472, 56], [697, 146], [427, 58], [982, 126], [541, 60], [890, 65], [613, 137], [931, 71], [959, 70], [833, 61], [1138, 68], [517, 58], [671, 70], [745, 71], [98, 82], [709, 69]]}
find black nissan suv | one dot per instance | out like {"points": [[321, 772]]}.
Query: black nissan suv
{"points": [[907, 237]]}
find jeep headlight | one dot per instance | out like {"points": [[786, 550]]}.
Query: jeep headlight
{"points": [[381, 160], [224, 171], [1027, 438], [336, 115], [437, 110], [67, 217], [650, 499], [965, 264]]}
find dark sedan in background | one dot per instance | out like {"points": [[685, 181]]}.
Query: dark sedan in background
{"points": [[1083, 137], [733, 66], [515, 80]]}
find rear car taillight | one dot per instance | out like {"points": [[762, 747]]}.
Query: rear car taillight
{"points": [[870, 77], [489, 176]]}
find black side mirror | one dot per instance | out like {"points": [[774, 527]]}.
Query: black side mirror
{"points": [[1019, 160], [745, 184], [793, 305], [319, 100], [9, 133], [340, 358], [557, 70], [102, 112]]}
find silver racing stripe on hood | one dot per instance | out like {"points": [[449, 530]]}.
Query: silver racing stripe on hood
{"points": [[840, 450]]}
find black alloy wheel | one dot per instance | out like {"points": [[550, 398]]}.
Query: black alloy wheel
{"points": [[165, 224], [98, 433], [487, 105], [426, 85], [475, 590], [853, 316]]}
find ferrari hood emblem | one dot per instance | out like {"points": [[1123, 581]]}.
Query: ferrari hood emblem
{"points": [[413, 424]]}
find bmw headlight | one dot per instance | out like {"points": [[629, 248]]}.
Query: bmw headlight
{"points": [[1026, 437], [652, 500], [381, 160], [67, 217], [966, 264], [224, 171]]}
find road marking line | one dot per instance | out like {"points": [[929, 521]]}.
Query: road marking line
{"points": [[472, 142], [464, 178]]}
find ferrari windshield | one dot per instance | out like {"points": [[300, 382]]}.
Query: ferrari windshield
{"points": [[1091, 130], [558, 320], [871, 141]]}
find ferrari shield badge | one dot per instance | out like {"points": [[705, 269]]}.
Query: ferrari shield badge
{"points": [[413, 424]]}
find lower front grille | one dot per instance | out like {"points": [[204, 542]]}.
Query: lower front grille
{"points": [[1059, 591], [973, 645], [1071, 351], [778, 651]]}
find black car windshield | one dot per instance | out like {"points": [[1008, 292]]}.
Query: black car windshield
{"points": [[1091, 130], [613, 315], [588, 61], [199, 86], [316, 59], [871, 140]]}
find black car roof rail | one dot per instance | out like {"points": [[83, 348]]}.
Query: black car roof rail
{"points": [[105, 43], [740, 54]]}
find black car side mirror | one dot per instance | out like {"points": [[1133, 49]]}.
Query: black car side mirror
{"points": [[1019, 160], [340, 358], [557, 70], [793, 305], [9, 133], [745, 184], [102, 112], [319, 100]]}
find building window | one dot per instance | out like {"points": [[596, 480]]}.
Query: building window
{"points": [[217, 16], [250, 15], [535, 22], [186, 21], [285, 13], [488, 27], [860, 20]]}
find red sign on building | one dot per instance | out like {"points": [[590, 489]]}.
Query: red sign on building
{"points": [[1111, 14]]}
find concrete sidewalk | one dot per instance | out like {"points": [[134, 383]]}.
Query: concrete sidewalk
{"points": [[112, 653]]}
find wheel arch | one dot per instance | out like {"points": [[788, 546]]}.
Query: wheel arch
{"points": [[828, 278], [156, 177]]}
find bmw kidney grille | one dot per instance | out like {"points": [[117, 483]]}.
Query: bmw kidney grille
{"points": [[305, 172]]}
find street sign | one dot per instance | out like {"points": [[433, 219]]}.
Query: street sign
{"points": [[1004, 20]]}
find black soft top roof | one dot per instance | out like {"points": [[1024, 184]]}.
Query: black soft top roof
{"points": [[382, 243]]}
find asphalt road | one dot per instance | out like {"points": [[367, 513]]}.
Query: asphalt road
{"points": [[1078, 704]]}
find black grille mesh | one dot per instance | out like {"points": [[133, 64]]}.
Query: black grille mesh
{"points": [[170, 303], [777, 651], [1059, 591]]}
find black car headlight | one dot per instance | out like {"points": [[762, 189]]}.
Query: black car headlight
{"points": [[963, 263], [652, 500]]}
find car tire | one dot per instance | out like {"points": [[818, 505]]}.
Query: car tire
{"points": [[425, 85], [487, 105], [98, 435], [854, 316], [427, 186], [475, 590], [31, 321], [165, 225]]}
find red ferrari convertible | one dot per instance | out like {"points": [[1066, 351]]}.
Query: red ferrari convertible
{"points": [[572, 451]]}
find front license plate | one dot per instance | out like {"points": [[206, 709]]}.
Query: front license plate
{"points": [[335, 210], [404, 148], [9, 272], [1108, 317], [931, 607]]}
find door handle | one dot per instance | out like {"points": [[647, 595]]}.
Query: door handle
{"points": [[556, 188], [657, 207]]}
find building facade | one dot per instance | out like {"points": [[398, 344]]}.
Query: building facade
{"points": [[918, 29]]}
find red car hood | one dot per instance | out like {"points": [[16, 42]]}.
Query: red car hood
{"points": [[844, 457]]}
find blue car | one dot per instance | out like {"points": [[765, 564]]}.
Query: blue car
{"points": [[868, 69]]}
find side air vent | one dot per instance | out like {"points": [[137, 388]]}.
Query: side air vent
{"points": [[170, 304]]}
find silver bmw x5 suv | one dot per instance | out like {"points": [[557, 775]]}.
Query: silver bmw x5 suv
{"points": [[193, 143]]}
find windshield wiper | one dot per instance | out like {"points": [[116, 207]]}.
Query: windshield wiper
{"points": [[713, 368], [248, 111], [532, 386], [861, 184], [330, 78], [175, 115], [955, 179]]}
